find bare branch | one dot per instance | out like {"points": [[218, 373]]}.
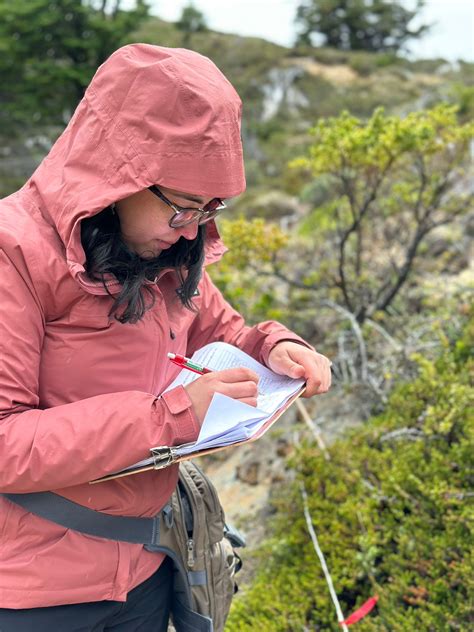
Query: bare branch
{"points": [[358, 262], [376, 186], [403, 433], [448, 219], [357, 217], [437, 195], [357, 331], [371, 381], [459, 495], [342, 274], [348, 190], [314, 429], [279, 275], [404, 270], [396, 345], [342, 357], [422, 188], [383, 288]]}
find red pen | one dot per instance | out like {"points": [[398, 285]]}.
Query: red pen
{"points": [[186, 363]]}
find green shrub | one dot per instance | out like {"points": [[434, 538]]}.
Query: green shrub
{"points": [[393, 512]]}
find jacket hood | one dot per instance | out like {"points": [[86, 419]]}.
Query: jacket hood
{"points": [[151, 115]]}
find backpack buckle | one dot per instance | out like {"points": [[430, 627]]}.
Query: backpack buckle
{"points": [[168, 515], [234, 536]]}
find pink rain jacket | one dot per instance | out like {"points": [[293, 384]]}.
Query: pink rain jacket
{"points": [[79, 391]]}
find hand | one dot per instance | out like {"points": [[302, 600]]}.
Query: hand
{"points": [[240, 384], [296, 361]]}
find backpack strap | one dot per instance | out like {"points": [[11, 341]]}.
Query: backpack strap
{"points": [[88, 521], [146, 531]]}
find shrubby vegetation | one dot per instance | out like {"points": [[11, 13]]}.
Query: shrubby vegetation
{"points": [[393, 506], [351, 261], [241, 274], [346, 275], [393, 181], [392, 510], [380, 187]]}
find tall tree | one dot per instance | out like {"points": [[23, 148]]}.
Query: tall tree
{"points": [[191, 21], [372, 25], [50, 50]]}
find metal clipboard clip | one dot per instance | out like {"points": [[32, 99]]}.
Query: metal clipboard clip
{"points": [[163, 456]]}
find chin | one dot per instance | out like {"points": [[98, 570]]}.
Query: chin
{"points": [[150, 254]]}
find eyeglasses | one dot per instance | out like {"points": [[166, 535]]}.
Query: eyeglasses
{"points": [[186, 215]]}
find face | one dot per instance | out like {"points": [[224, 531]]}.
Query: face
{"points": [[144, 220]]}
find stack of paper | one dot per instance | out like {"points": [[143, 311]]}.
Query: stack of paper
{"points": [[227, 420]]}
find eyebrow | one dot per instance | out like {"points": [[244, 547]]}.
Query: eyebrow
{"points": [[186, 196], [191, 198]]}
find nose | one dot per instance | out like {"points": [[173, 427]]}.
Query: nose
{"points": [[189, 231]]}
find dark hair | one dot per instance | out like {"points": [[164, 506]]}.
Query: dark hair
{"points": [[107, 253]]}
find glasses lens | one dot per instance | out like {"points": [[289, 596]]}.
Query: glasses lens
{"points": [[184, 217], [208, 216]]}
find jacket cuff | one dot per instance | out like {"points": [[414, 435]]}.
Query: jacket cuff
{"points": [[185, 422]]}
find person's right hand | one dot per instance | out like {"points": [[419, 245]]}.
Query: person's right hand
{"points": [[240, 384]]}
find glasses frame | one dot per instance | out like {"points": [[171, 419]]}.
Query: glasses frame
{"points": [[199, 213]]}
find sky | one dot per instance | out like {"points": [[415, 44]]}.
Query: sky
{"points": [[452, 35]]}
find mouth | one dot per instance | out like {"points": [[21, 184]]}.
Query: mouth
{"points": [[162, 244]]}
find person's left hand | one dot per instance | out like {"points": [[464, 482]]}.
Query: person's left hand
{"points": [[296, 361]]}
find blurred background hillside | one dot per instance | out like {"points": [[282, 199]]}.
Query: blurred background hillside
{"points": [[356, 231]]}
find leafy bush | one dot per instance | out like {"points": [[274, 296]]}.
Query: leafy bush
{"points": [[393, 513], [394, 180], [252, 245]]}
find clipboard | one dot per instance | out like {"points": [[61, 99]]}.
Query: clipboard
{"points": [[164, 456]]}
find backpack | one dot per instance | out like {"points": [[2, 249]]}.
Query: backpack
{"points": [[197, 532], [190, 529]]}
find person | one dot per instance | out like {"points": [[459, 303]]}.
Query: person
{"points": [[103, 257]]}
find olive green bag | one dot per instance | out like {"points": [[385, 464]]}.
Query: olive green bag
{"points": [[205, 545]]}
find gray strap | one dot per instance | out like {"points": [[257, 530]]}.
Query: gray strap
{"points": [[187, 620], [197, 578], [73, 516], [144, 531], [181, 580], [69, 514]]}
